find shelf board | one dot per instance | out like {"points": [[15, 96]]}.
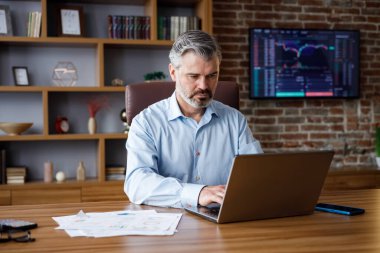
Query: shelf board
{"points": [[62, 89], [58, 137], [84, 41], [68, 183]]}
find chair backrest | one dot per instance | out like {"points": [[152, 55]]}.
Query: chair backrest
{"points": [[139, 96]]}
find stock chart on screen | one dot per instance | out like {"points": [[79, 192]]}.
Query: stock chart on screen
{"points": [[300, 63]]}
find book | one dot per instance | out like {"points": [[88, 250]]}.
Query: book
{"points": [[115, 170], [16, 175], [110, 26], [3, 165], [16, 171], [38, 25], [115, 177]]}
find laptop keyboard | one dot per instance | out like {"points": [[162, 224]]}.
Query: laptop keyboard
{"points": [[210, 211]]}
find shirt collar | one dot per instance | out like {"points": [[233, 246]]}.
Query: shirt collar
{"points": [[175, 112]]}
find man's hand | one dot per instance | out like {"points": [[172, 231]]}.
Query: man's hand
{"points": [[211, 194]]}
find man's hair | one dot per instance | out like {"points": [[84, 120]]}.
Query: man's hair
{"points": [[198, 42]]}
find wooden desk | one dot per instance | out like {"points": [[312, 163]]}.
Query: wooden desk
{"points": [[320, 232]]}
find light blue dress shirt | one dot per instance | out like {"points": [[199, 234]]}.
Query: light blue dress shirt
{"points": [[171, 157]]}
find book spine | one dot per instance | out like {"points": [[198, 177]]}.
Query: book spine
{"points": [[147, 28], [3, 165], [29, 24], [110, 26], [114, 26], [37, 25], [131, 27], [122, 27]]}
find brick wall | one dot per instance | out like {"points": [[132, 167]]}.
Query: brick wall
{"points": [[347, 126]]}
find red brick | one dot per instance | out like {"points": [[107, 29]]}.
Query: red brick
{"points": [[266, 137], [284, 8], [292, 144], [258, 120], [322, 136], [289, 136], [310, 17], [268, 112], [311, 2], [290, 120], [231, 7], [292, 128], [314, 128], [255, 7]]}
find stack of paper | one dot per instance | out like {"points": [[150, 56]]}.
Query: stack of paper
{"points": [[119, 223]]}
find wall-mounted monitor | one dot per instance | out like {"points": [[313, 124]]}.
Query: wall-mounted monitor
{"points": [[304, 63]]}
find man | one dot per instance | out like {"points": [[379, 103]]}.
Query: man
{"points": [[180, 150]]}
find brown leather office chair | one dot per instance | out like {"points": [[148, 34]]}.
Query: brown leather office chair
{"points": [[139, 96]]}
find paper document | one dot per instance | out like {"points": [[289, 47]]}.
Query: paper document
{"points": [[118, 223]]}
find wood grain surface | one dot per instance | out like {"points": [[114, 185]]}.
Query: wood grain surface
{"points": [[320, 232]]}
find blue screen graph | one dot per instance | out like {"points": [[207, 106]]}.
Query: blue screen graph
{"points": [[298, 63]]}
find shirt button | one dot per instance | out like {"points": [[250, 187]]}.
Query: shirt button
{"points": [[197, 153], [197, 178]]}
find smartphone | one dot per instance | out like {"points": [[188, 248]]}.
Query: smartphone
{"points": [[12, 224], [345, 210]]}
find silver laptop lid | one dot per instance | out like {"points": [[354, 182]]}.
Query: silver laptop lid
{"points": [[263, 186]]}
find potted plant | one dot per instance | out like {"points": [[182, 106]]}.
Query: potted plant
{"points": [[154, 76], [378, 146]]}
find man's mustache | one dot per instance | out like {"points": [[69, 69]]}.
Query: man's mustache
{"points": [[206, 91]]}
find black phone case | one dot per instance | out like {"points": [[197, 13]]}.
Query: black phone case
{"points": [[12, 224], [338, 209]]}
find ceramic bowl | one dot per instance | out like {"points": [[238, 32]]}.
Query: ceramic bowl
{"points": [[14, 128]]}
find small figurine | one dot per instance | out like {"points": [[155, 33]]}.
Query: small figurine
{"points": [[60, 176], [123, 117], [117, 82]]}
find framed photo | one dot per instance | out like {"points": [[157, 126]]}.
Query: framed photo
{"points": [[5, 21], [21, 76], [70, 21]]}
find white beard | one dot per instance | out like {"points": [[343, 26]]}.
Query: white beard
{"points": [[186, 97]]}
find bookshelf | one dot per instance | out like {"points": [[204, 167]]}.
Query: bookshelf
{"points": [[98, 60]]}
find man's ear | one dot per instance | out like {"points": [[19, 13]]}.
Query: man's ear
{"points": [[172, 72]]}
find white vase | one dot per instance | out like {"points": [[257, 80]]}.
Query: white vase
{"points": [[378, 162], [91, 125], [81, 172]]}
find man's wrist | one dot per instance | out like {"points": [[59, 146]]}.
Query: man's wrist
{"points": [[190, 194]]}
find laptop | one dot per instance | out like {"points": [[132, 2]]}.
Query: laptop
{"points": [[270, 185]]}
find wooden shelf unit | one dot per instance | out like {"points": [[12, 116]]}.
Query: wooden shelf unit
{"points": [[99, 60]]}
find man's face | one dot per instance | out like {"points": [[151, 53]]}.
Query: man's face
{"points": [[196, 79]]}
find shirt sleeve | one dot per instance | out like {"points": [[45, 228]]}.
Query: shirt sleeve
{"points": [[143, 184], [247, 143]]}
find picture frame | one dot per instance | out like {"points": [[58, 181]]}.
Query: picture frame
{"points": [[70, 21], [21, 76], [5, 21]]}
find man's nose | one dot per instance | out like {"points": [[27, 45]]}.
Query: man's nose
{"points": [[202, 83]]}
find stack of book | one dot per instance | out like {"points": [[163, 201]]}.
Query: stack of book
{"points": [[129, 27], [16, 175], [170, 27], [34, 24], [115, 173]]}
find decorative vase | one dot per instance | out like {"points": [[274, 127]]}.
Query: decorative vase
{"points": [[378, 162], [48, 172], [91, 125], [81, 172], [65, 74], [377, 148]]}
